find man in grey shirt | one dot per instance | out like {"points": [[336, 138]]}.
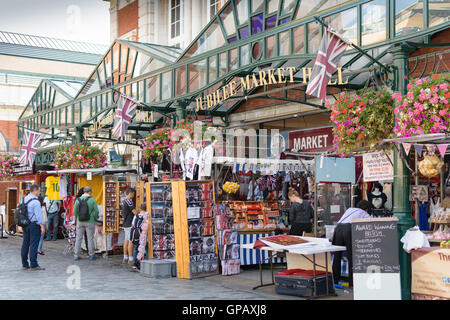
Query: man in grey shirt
{"points": [[52, 207]]}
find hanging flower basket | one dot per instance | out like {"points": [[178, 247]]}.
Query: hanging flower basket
{"points": [[155, 143], [362, 119], [424, 109], [79, 156], [7, 166]]}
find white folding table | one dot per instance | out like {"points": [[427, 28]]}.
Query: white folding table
{"points": [[315, 246]]}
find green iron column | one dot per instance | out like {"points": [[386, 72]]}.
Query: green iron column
{"points": [[180, 110], [401, 204]]}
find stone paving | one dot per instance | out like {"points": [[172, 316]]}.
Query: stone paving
{"points": [[106, 278]]}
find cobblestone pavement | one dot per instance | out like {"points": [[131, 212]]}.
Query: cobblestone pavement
{"points": [[107, 278]]}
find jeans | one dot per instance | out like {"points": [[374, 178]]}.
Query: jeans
{"points": [[53, 218], [83, 227], [31, 236], [42, 239], [343, 237]]}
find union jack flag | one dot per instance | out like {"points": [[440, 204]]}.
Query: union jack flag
{"points": [[126, 109], [28, 150], [331, 49]]}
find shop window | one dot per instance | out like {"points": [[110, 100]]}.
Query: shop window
{"points": [[373, 22], [271, 22], [438, 12], [345, 23], [314, 37], [227, 17], [257, 23], [175, 18], [408, 16]]}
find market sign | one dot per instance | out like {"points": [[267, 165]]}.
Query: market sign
{"points": [[312, 140], [430, 272], [23, 170], [262, 78], [377, 167], [376, 268]]}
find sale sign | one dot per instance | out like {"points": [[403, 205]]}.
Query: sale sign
{"points": [[312, 140], [377, 166]]}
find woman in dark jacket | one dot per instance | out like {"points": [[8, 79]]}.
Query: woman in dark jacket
{"points": [[300, 214]]}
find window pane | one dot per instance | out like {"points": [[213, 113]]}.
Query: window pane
{"points": [[227, 17], [212, 69], [212, 38], [231, 40], [283, 21], [181, 80], [313, 37], [152, 89], [243, 33], [272, 6], [197, 75], [257, 24], [307, 8], [284, 43], [245, 55], [234, 63], [242, 11], [101, 73], [270, 47], [373, 22], [299, 40], [222, 64], [344, 23], [257, 5], [166, 85], [408, 16], [288, 6], [271, 22], [439, 12]]}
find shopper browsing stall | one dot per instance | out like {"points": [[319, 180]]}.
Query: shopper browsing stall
{"points": [[44, 217], [138, 235], [52, 207], [300, 214], [343, 237], [128, 211], [86, 212]]}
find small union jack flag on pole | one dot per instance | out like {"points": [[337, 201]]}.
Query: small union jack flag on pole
{"points": [[126, 109], [28, 150], [331, 49]]}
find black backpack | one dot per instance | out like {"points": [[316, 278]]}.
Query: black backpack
{"points": [[21, 214], [83, 209], [136, 229]]}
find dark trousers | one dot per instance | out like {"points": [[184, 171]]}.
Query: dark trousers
{"points": [[31, 237], [343, 237], [53, 219], [297, 229]]}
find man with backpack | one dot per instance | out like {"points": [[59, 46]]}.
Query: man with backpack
{"points": [[29, 216], [85, 211]]}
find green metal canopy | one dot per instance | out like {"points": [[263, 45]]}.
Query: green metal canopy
{"points": [[244, 38]]}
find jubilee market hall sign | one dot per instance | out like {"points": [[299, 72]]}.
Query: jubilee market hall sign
{"points": [[270, 76]]}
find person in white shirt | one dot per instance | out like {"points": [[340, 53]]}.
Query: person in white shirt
{"points": [[343, 237]]}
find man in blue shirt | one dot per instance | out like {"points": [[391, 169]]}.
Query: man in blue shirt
{"points": [[32, 233]]}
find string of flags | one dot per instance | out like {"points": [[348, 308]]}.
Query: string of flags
{"points": [[430, 147]]}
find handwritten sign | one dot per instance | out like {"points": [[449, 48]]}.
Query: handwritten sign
{"points": [[377, 167], [376, 269]]}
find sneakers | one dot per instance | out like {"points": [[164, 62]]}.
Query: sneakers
{"points": [[37, 269], [41, 254], [124, 261], [76, 258], [130, 261], [25, 268], [93, 258]]}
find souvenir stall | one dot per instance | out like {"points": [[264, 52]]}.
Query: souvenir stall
{"points": [[107, 190], [183, 226], [262, 209]]}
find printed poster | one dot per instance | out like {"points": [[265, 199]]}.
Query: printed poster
{"points": [[377, 167]]}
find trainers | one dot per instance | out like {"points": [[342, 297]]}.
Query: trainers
{"points": [[25, 268], [76, 258], [41, 254], [92, 258], [37, 269], [54, 239], [130, 261], [124, 261]]}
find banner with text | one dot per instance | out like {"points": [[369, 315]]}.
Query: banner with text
{"points": [[377, 167]]}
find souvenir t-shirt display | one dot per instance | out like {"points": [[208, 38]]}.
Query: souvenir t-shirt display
{"points": [[191, 158], [96, 185], [52, 186], [206, 157]]}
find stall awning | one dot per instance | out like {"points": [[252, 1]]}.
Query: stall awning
{"points": [[96, 171], [432, 138]]}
